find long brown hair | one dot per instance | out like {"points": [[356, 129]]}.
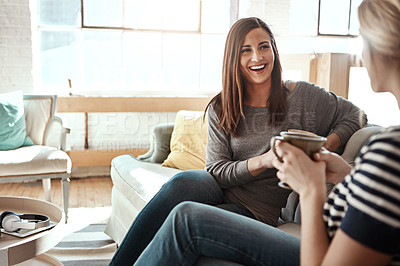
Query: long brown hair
{"points": [[229, 102]]}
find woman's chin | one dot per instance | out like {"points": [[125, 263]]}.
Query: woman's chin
{"points": [[377, 88]]}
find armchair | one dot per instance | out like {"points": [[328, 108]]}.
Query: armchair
{"points": [[45, 159]]}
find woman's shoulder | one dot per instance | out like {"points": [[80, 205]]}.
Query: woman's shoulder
{"points": [[298, 84], [214, 104], [304, 89], [212, 110], [387, 137], [290, 85], [383, 149], [213, 107]]}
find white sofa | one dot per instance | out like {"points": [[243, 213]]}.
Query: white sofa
{"points": [[137, 180]]}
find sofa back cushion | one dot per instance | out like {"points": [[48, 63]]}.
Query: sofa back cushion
{"points": [[38, 112], [188, 141]]}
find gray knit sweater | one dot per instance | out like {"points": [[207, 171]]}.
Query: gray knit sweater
{"points": [[310, 108]]}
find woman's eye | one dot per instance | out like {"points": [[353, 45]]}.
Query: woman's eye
{"points": [[245, 50], [263, 47]]}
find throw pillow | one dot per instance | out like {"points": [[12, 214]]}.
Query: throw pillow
{"points": [[12, 121], [188, 141]]}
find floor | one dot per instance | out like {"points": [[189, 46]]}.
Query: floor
{"points": [[88, 192]]}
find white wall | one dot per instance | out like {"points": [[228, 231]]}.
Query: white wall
{"points": [[15, 46], [108, 131]]}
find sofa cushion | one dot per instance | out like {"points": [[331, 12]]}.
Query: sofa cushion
{"points": [[35, 159], [188, 141], [38, 111], [12, 125], [144, 178]]}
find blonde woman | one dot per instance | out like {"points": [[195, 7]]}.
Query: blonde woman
{"points": [[359, 223]]}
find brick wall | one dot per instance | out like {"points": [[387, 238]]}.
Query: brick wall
{"points": [[15, 46]]}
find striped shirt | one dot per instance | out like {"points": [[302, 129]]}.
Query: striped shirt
{"points": [[366, 205]]}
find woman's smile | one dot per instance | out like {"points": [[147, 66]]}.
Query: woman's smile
{"points": [[258, 68]]}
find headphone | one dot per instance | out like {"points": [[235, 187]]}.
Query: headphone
{"points": [[12, 222]]}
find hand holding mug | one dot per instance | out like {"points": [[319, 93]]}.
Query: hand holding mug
{"points": [[309, 143], [336, 167]]}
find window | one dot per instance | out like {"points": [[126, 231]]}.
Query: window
{"points": [[132, 46], [338, 17], [377, 106]]}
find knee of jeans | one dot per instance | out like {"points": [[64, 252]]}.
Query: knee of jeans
{"points": [[191, 215], [185, 209], [188, 178]]}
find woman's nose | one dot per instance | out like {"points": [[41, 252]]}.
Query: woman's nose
{"points": [[255, 57]]}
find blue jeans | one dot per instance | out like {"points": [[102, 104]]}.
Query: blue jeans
{"points": [[192, 185], [193, 230]]}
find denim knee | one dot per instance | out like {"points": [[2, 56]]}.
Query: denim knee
{"points": [[195, 185], [189, 179], [186, 211]]}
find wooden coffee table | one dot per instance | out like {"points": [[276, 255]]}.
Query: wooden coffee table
{"points": [[14, 249]]}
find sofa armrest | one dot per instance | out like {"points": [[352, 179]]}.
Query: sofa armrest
{"points": [[159, 144], [357, 141], [56, 133]]}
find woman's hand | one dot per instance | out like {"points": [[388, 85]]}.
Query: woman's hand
{"points": [[298, 170], [258, 164], [333, 142], [336, 167]]}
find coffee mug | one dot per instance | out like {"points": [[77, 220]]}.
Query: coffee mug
{"points": [[302, 131], [309, 143]]}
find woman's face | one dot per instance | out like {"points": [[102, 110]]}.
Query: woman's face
{"points": [[257, 58], [376, 68], [366, 55]]}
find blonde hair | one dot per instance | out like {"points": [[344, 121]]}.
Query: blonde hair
{"points": [[380, 26]]}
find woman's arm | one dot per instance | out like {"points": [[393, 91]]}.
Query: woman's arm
{"points": [[348, 118], [333, 142], [333, 114], [314, 240], [307, 178], [219, 161], [353, 253], [336, 167], [258, 164]]}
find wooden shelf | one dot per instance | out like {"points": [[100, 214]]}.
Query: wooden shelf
{"points": [[76, 104], [100, 157]]}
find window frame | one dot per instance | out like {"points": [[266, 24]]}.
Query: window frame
{"points": [[335, 34], [86, 89]]}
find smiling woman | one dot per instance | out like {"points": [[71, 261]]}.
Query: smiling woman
{"points": [[253, 106]]}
